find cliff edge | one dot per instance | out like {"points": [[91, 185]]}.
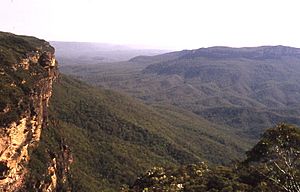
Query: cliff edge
{"points": [[27, 71]]}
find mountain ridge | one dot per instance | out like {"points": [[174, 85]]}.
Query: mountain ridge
{"points": [[223, 51]]}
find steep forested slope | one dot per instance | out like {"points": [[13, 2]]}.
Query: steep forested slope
{"points": [[113, 138]]}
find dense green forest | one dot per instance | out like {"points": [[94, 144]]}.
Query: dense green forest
{"points": [[114, 138]]}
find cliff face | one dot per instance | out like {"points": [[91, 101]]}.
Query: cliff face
{"points": [[27, 71]]}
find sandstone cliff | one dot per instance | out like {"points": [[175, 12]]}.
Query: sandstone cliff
{"points": [[27, 71]]}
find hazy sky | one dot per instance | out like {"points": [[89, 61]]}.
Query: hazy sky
{"points": [[172, 24]]}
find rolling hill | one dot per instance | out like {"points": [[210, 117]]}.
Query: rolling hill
{"points": [[247, 89]]}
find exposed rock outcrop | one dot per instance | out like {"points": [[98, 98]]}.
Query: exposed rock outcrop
{"points": [[28, 69], [57, 172]]}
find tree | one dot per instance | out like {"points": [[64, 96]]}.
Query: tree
{"points": [[277, 157]]}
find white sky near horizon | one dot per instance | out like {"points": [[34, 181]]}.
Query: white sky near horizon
{"points": [[164, 24]]}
